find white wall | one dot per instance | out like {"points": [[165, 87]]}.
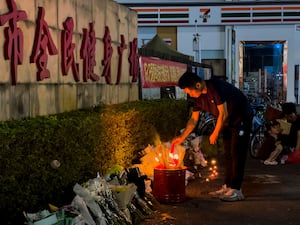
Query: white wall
{"points": [[211, 39]]}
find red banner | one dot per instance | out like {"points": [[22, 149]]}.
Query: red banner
{"points": [[159, 73]]}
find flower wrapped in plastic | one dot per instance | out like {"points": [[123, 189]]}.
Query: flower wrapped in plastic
{"points": [[101, 192], [81, 205], [142, 204], [123, 194], [92, 205]]}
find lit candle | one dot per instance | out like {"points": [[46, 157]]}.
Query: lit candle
{"points": [[213, 162]]}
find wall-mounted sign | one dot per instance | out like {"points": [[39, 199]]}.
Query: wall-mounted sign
{"points": [[156, 72]]}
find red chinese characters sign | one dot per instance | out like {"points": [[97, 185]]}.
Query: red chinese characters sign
{"points": [[87, 53], [13, 47], [42, 42], [158, 73], [67, 50], [133, 60], [43, 46]]}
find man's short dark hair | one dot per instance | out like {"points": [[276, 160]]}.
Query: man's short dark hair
{"points": [[188, 80], [288, 108]]}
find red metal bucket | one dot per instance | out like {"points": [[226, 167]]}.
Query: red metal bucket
{"points": [[169, 185]]}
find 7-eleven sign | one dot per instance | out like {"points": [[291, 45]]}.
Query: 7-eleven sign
{"points": [[204, 14]]}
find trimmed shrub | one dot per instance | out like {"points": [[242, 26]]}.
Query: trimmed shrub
{"points": [[84, 142]]}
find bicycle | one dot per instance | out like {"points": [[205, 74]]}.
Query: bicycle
{"points": [[257, 129], [262, 114]]}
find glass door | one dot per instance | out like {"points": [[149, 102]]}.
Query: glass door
{"points": [[263, 69]]}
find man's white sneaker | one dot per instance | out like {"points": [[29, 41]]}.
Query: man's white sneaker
{"points": [[219, 192], [272, 163], [232, 195]]}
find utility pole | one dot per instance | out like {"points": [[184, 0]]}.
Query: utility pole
{"points": [[196, 44]]}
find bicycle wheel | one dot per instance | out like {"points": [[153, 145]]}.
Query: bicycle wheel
{"points": [[256, 141], [207, 127]]}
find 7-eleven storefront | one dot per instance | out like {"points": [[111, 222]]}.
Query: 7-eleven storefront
{"points": [[255, 47]]}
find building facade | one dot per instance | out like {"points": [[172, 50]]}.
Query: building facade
{"points": [[252, 44]]}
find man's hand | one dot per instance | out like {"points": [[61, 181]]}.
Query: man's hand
{"points": [[213, 139], [177, 140], [190, 126], [223, 113]]}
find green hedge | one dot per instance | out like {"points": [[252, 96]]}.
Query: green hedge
{"points": [[84, 141]]}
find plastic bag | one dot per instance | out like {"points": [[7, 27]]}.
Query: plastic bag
{"points": [[123, 194]]}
